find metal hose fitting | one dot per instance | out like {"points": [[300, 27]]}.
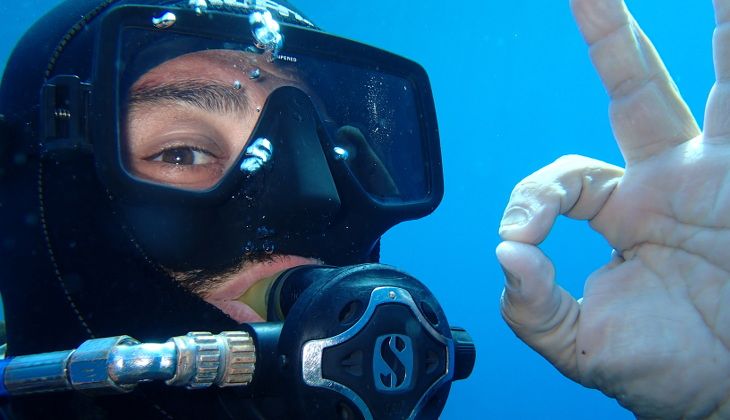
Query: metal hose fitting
{"points": [[116, 364]]}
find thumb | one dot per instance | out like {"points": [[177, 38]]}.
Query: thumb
{"points": [[540, 312]]}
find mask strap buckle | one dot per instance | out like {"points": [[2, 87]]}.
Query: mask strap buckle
{"points": [[64, 114]]}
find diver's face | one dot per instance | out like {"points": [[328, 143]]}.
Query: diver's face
{"points": [[188, 120]]}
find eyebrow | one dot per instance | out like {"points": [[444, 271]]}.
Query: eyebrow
{"points": [[204, 94]]}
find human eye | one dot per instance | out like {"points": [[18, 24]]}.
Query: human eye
{"points": [[187, 162], [184, 155], [180, 146]]}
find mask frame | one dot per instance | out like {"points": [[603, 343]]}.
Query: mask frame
{"points": [[358, 205]]}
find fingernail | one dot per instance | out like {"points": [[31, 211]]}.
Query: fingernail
{"points": [[514, 217]]}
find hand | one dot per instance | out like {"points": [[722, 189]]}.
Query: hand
{"points": [[653, 326]]}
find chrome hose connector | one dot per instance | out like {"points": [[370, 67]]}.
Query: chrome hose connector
{"points": [[240, 362], [88, 366], [117, 364], [198, 360], [204, 359]]}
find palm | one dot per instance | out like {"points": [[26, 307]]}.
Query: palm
{"points": [[653, 327], [653, 312]]}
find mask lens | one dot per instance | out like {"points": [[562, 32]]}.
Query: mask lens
{"points": [[191, 105], [188, 118]]}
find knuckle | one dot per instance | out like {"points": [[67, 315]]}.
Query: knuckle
{"points": [[572, 160], [531, 189]]}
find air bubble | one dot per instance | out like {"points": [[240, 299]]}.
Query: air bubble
{"points": [[341, 153], [254, 73], [164, 21], [257, 155], [200, 6], [263, 232], [237, 85]]}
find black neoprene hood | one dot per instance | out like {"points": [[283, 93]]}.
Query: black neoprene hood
{"points": [[94, 252], [84, 256]]}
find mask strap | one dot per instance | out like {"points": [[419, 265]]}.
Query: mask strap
{"points": [[8, 144]]}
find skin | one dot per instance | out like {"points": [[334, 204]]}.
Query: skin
{"points": [[653, 327], [191, 144]]}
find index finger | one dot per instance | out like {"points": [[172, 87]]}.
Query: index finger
{"points": [[573, 185], [717, 125], [647, 112]]}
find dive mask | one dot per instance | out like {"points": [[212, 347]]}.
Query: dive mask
{"points": [[221, 135]]}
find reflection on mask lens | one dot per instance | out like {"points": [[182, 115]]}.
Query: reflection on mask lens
{"points": [[192, 104]]}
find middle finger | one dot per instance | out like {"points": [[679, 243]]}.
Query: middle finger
{"points": [[647, 112]]}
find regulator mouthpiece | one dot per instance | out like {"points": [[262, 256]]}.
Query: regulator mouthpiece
{"points": [[365, 339], [257, 296]]}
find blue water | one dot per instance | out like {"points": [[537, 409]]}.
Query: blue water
{"points": [[514, 90]]}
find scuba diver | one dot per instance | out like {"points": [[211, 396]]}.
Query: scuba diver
{"points": [[174, 172]]}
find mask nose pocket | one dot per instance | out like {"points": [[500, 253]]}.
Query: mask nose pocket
{"points": [[299, 189], [364, 163]]}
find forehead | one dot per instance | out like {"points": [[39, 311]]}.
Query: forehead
{"points": [[219, 65]]}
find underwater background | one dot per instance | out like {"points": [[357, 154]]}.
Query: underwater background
{"points": [[514, 90]]}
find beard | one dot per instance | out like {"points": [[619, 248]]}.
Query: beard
{"points": [[203, 280]]}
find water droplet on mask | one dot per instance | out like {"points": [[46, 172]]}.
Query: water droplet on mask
{"points": [[254, 73], [237, 85], [258, 109]]}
